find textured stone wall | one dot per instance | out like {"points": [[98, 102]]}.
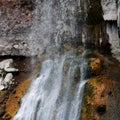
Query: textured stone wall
{"points": [[101, 100], [15, 22]]}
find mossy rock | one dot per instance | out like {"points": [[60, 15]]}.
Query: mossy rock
{"points": [[97, 92]]}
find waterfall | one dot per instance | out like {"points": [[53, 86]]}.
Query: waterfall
{"points": [[55, 94], [55, 22]]}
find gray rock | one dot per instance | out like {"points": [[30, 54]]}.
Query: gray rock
{"points": [[109, 9], [6, 77]]}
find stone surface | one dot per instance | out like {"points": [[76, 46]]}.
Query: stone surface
{"points": [[15, 96], [11, 96], [109, 9], [96, 95], [6, 78], [2, 87], [15, 22], [2, 111], [7, 65], [16, 18], [101, 99], [96, 65]]}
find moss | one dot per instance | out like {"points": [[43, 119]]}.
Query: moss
{"points": [[89, 90], [86, 106], [95, 97], [99, 80]]}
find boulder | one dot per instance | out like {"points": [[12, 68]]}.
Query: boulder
{"points": [[7, 65], [8, 78]]}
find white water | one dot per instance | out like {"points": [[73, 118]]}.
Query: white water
{"points": [[55, 22], [55, 94]]}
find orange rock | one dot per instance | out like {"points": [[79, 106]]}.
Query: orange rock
{"points": [[98, 92], [96, 65], [13, 101]]}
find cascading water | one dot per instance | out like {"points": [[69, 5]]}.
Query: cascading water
{"points": [[55, 23], [55, 94]]}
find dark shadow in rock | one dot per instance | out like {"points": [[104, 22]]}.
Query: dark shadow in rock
{"points": [[101, 109], [119, 32], [2, 111], [106, 48], [27, 4], [110, 93]]}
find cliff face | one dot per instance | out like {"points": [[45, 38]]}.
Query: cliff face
{"points": [[13, 88], [109, 9], [20, 23], [101, 96], [101, 99], [111, 14], [15, 22]]}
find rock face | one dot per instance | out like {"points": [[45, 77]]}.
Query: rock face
{"points": [[2, 111], [103, 30], [14, 83], [98, 92], [7, 65], [118, 14], [109, 9], [6, 71], [101, 99], [15, 96], [15, 22]]}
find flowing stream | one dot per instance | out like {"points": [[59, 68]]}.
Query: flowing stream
{"points": [[56, 94]]}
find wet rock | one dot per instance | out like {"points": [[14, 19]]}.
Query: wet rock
{"points": [[13, 102], [94, 105], [2, 111], [89, 73], [119, 32], [67, 46], [96, 65], [76, 74], [106, 48], [65, 68]]}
